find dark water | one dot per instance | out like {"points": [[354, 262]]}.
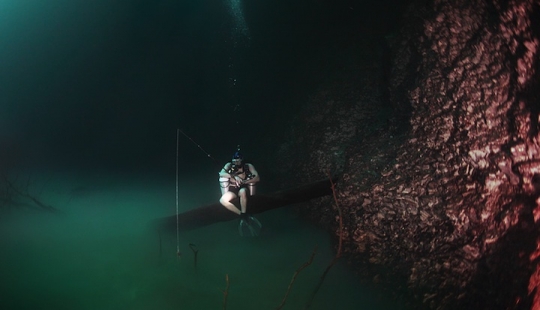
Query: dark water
{"points": [[91, 95], [99, 254], [106, 83]]}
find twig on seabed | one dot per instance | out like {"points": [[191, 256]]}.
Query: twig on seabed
{"points": [[193, 248], [304, 265], [226, 292], [338, 254], [25, 194]]}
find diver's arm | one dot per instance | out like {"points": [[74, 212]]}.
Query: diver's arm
{"points": [[223, 173], [254, 173]]}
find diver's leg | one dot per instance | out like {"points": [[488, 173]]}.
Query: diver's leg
{"points": [[225, 200], [249, 226], [243, 199]]}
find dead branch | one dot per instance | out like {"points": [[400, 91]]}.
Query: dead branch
{"points": [[193, 248], [226, 292], [340, 243], [10, 192], [304, 265]]}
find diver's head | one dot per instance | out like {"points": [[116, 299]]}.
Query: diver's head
{"points": [[237, 158]]}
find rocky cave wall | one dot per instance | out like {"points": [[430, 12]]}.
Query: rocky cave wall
{"points": [[443, 208]]}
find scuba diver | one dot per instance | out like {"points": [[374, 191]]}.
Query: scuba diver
{"points": [[236, 179]]}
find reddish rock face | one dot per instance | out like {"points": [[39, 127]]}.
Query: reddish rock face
{"points": [[449, 208], [471, 162]]}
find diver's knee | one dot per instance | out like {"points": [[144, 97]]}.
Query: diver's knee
{"points": [[224, 199], [227, 197]]}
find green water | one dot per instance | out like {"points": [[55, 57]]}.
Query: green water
{"points": [[100, 254]]}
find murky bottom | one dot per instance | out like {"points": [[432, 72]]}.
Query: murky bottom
{"points": [[100, 254]]}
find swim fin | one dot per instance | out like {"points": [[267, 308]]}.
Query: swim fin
{"points": [[249, 227]]}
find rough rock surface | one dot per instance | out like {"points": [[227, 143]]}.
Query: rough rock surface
{"points": [[440, 199]]}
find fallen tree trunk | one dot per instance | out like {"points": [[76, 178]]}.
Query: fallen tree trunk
{"points": [[214, 213]]}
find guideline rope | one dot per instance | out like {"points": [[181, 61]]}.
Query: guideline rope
{"points": [[177, 212]]}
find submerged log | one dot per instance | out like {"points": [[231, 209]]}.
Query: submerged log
{"points": [[214, 213]]}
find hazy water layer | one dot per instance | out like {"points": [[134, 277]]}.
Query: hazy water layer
{"points": [[100, 254]]}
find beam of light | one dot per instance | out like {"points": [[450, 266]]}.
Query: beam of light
{"points": [[240, 25]]}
